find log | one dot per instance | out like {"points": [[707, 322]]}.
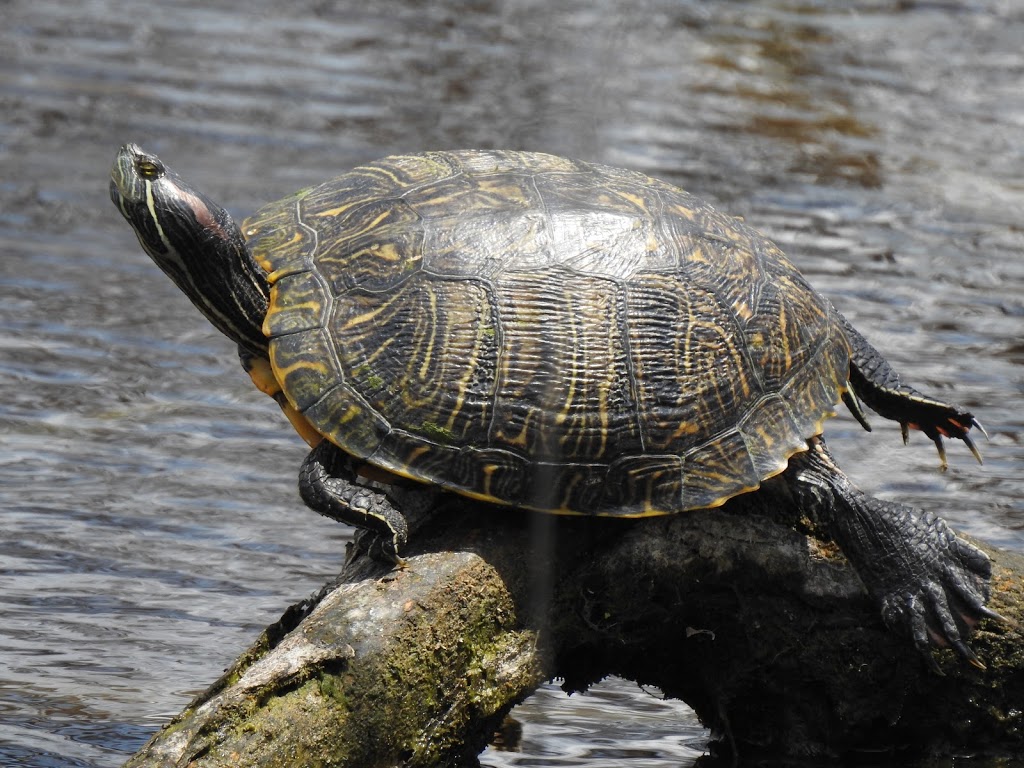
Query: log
{"points": [[742, 612]]}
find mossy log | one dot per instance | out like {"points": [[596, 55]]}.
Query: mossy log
{"points": [[763, 629]]}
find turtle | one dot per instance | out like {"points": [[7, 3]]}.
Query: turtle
{"points": [[550, 334]]}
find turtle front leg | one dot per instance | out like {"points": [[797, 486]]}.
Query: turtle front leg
{"points": [[931, 585], [327, 484], [879, 385]]}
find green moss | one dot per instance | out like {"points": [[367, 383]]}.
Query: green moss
{"points": [[394, 698], [364, 372], [383, 705], [436, 432], [332, 687]]}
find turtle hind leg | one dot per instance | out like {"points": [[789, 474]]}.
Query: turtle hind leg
{"points": [[878, 385], [327, 484], [931, 585]]}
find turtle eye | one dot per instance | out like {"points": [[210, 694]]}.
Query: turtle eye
{"points": [[148, 169]]}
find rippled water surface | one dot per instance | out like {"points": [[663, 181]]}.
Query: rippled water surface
{"points": [[150, 521]]}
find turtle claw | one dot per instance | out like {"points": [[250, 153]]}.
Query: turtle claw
{"points": [[853, 405], [969, 442], [987, 613], [937, 439], [927, 617], [378, 547], [945, 599], [976, 423], [974, 448], [931, 585], [952, 422], [968, 655]]}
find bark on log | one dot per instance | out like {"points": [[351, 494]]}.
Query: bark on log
{"points": [[763, 629]]}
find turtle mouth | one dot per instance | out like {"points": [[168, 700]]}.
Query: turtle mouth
{"points": [[115, 193], [123, 176], [129, 194]]}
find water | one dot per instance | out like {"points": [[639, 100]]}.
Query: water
{"points": [[151, 524]]}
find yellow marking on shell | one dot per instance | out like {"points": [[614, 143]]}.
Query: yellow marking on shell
{"points": [[520, 439], [332, 212], [382, 216], [637, 200], [355, 322], [684, 212], [311, 308], [272, 275], [264, 264], [738, 361], [489, 499], [318, 368], [387, 252], [571, 374], [685, 428], [566, 409], [352, 412], [460, 400], [488, 471], [648, 511], [819, 427], [272, 310], [697, 255], [300, 423], [372, 359], [731, 495], [262, 374], [603, 388], [786, 351], [428, 353], [415, 453]]}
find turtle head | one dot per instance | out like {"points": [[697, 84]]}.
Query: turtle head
{"points": [[195, 242]]}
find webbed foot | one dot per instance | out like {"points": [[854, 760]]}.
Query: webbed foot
{"points": [[327, 483], [375, 546], [939, 604], [880, 387], [932, 586]]}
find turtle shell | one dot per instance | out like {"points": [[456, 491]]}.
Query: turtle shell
{"points": [[546, 333]]}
